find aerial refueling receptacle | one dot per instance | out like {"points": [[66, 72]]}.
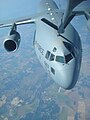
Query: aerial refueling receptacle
{"points": [[12, 42]]}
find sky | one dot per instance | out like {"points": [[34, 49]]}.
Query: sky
{"points": [[17, 8]]}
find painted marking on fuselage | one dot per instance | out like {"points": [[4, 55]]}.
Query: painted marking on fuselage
{"points": [[47, 67], [39, 47], [41, 50]]}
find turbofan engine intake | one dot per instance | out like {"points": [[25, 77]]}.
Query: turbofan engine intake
{"points": [[12, 42]]}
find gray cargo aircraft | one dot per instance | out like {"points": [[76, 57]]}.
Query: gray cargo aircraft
{"points": [[57, 43]]}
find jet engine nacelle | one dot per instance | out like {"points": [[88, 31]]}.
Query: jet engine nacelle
{"points": [[12, 42], [88, 24]]}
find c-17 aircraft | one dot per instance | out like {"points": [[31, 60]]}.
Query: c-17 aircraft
{"points": [[56, 42]]}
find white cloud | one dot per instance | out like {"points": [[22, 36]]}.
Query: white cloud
{"points": [[16, 101]]}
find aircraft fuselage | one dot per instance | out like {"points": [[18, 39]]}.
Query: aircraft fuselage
{"points": [[60, 55]]}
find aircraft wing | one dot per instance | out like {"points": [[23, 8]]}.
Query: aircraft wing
{"points": [[19, 21]]}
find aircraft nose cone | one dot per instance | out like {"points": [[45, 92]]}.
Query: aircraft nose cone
{"points": [[68, 79], [71, 75]]}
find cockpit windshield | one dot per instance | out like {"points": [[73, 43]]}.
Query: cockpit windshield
{"points": [[70, 48], [64, 59], [60, 59], [68, 57]]}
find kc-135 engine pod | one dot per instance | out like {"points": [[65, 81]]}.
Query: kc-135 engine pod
{"points": [[12, 42]]}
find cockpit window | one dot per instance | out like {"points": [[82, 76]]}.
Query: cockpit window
{"points": [[53, 70], [68, 57], [60, 59], [69, 47], [52, 57], [47, 55]]}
